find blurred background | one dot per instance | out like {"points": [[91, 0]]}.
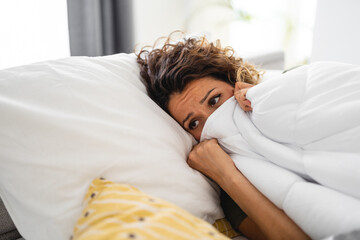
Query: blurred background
{"points": [[38, 30]]}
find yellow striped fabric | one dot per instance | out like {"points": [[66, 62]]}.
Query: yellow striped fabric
{"points": [[223, 226], [120, 211]]}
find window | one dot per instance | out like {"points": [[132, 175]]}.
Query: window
{"points": [[32, 31]]}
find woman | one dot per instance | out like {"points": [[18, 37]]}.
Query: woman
{"points": [[190, 79]]}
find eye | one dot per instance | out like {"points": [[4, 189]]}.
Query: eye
{"points": [[214, 100], [193, 124]]}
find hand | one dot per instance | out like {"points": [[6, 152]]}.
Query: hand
{"points": [[210, 159], [240, 91]]}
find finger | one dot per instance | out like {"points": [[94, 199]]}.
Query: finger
{"points": [[243, 102], [214, 140], [188, 161], [240, 99], [241, 94], [242, 85], [247, 103], [247, 109], [240, 103], [244, 91]]}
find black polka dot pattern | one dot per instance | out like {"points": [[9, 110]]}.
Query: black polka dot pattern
{"points": [[131, 236]]}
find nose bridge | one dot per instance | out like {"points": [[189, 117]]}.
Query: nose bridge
{"points": [[205, 111]]}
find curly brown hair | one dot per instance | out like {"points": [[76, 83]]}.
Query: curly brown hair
{"points": [[169, 69]]}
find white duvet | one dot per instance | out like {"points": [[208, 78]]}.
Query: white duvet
{"points": [[300, 146]]}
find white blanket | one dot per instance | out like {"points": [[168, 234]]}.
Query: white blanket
{"points": [[300, 146]]}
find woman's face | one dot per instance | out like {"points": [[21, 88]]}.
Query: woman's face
{"points": [[199, 99]]}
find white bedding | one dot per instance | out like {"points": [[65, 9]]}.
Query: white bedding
{"points": [[69, 121], [300, 146]]}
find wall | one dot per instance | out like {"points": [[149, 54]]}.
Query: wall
{"points": [[278, 26], [337, 34], [157, 18]]}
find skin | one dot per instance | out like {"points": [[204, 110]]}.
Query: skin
{"points": [[191, 108], [200, 99]]}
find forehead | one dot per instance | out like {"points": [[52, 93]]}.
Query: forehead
{"points": [[194, 91]]}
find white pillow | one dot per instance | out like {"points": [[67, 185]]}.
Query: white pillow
{"points": [[66, 122]]}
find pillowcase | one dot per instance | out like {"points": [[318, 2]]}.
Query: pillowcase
{"points": [[120, 211], [68, 121]]}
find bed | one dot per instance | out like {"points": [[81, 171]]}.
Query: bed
{"points": [[300, 144], [76, 127], [67, 122]]}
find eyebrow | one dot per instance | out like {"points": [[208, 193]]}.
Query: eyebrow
{"points": [[187, 117], [207, 94], [201, 102]]}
